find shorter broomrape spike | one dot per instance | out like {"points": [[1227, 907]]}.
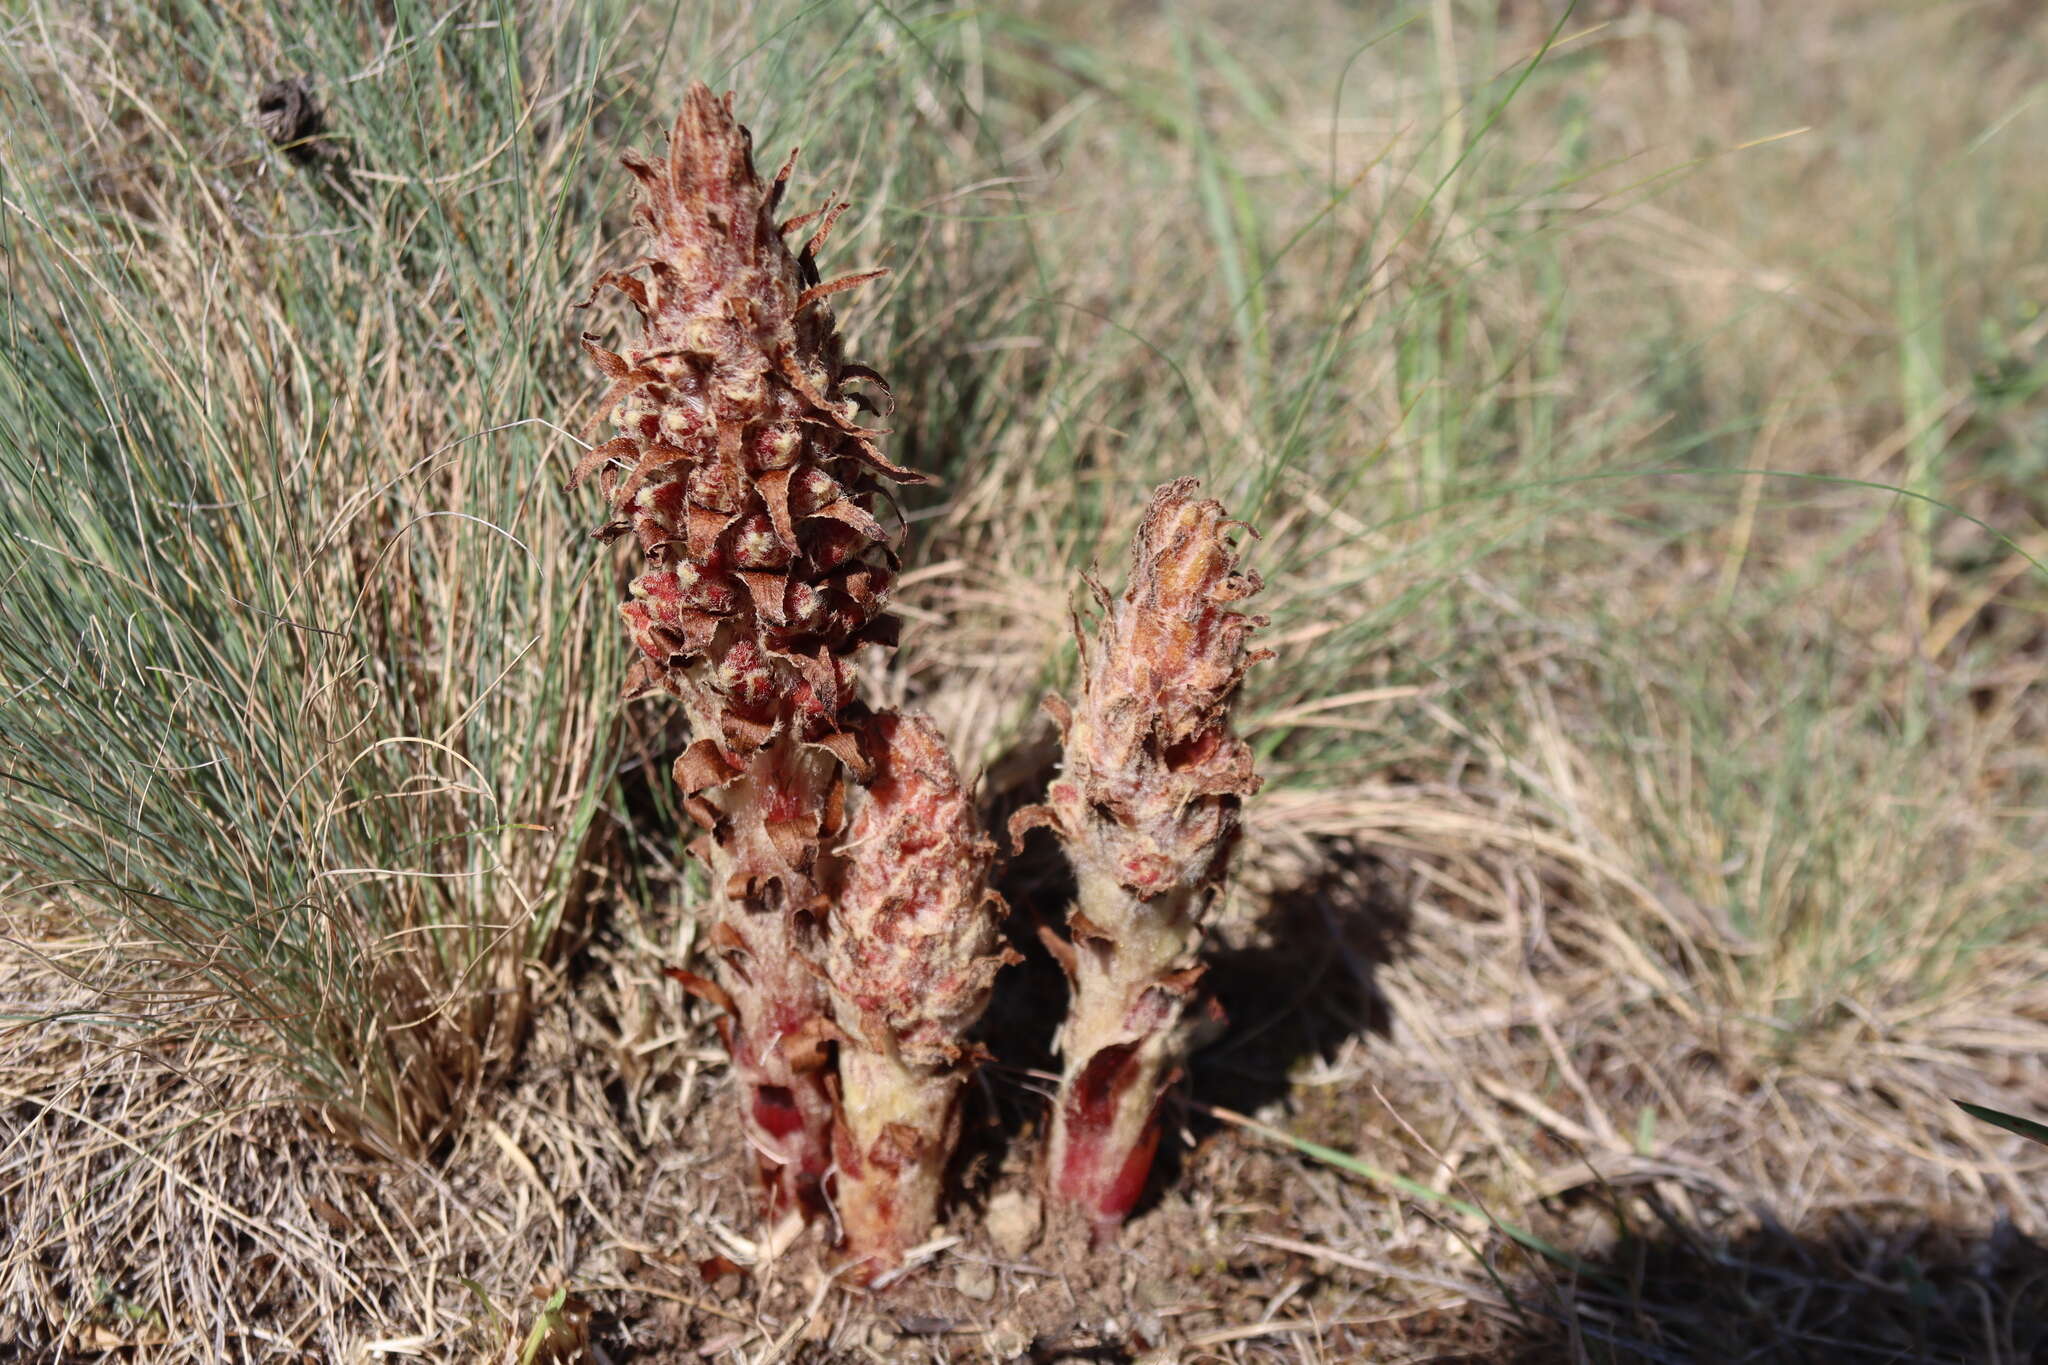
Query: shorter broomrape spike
{"points": [[1147, 807], [914, 949]]}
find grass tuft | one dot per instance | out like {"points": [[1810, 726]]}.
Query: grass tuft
{"points": [[305, 712]]}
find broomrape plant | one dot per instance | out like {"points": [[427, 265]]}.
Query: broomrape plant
{"points": [[915, 947], [1147, 807], [749, 487], [854, 937]]}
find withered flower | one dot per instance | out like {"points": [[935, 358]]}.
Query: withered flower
{"points": [[913, 953], [1147, 806]]}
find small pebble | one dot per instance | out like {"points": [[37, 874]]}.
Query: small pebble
{"points": [[1007, 1342], [1012, 1221], [974, 1280]]}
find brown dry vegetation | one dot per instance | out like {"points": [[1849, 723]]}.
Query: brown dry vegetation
{"points": [[1652, 847]]}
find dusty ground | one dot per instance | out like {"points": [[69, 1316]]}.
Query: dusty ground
{"points": [[1711, 1191]]}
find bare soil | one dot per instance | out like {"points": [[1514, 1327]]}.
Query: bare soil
{"points": [[1709, 1189]]}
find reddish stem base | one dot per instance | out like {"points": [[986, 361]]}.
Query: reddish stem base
{"points": [[1106, 1135]]}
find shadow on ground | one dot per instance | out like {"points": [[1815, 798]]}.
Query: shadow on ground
{"points": [[1031, 996], [1306, 982], [1919, 1293]]}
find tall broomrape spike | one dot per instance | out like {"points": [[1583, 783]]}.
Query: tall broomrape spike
{"points": [[914, 952], [742, 474], [1147, 806]]}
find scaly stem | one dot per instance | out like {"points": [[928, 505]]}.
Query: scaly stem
{"points": [[898, 1138], [776, 1027], [1124, 1038]]}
